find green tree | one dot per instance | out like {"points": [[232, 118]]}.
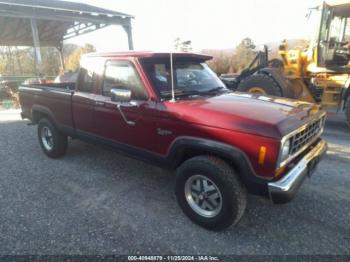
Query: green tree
{"points": [[21, 60], [50, 61], [73, 61], [221, 62], [243, 55]]}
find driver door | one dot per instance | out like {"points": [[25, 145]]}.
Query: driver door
{"points": [[126, 123]]}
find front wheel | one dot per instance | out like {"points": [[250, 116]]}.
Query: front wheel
{"points": [[210, 193], [52, 142]]}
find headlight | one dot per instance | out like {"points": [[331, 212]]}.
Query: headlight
{"points": [[285, 150]]}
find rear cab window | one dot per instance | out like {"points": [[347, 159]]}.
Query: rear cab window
{"points": [[91, 69]]}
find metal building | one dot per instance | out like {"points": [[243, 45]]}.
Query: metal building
{"points": [[49, 22]]}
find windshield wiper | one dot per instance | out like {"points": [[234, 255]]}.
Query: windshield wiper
{"points": [[205, 92], [192, 92], [181, 93], [216, 89]]}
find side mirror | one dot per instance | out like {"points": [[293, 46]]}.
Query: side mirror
{"points": [[120, 95]]}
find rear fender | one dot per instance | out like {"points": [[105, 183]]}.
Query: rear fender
{"points": [[39, 112]]}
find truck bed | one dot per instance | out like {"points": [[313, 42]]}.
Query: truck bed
{"points": [[55, 99]]}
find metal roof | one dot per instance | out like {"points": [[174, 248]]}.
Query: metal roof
{"points": [[56, 21], [63, 6]]}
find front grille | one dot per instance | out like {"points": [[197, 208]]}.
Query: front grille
{"points": [[305, 136]]}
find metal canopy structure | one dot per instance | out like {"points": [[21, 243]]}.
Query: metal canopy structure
{"points": [[50, 22]]}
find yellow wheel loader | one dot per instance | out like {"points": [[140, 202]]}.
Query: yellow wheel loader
{"points": [[318, 74]]}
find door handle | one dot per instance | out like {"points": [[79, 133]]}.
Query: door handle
{"points": [[130, 104], [130, 123], [99, 103]]}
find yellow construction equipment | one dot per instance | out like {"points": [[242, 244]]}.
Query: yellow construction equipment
{"points": [[319, 73]]}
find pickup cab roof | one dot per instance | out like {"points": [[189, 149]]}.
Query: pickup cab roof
{"points": [[149, 54]]}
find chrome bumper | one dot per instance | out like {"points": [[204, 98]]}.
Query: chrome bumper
{"points": [[283, 190]]}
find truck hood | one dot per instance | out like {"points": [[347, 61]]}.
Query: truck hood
{"points": [[250, 113]]}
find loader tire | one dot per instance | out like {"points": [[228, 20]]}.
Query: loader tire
{"points": [[276, 63], [260, 84]]}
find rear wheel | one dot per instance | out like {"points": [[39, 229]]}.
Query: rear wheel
{"points": [[210, 193], [260, 84], [52, 142]]}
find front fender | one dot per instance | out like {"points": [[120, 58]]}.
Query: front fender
{"points": [[236, 157]]}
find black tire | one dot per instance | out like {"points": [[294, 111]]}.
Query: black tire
{"points": [[262, 81], [59, 141], [233, 192], [347, 110]]}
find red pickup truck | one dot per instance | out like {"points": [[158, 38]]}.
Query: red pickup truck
{"points": [[171, 110]]}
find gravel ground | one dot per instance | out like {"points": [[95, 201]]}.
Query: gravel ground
{"points": [[94, 201]]}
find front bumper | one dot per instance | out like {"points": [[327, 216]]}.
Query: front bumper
{"points": [[284, 190]]}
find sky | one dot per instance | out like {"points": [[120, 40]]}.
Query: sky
{"points": [[209, 24]]}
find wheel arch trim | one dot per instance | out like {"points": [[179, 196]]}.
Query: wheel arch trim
{"points": [[43, 110], [47, 112], [229, 152], [254, 183]]}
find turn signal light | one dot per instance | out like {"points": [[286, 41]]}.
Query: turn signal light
{"points": [[262, 155]]}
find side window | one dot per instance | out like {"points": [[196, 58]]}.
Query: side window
{"points": [[325, 20], [335, 29], [347, 30], [123, 75]]}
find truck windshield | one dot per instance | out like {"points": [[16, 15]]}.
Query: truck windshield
{"points": [[190, 78]]}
